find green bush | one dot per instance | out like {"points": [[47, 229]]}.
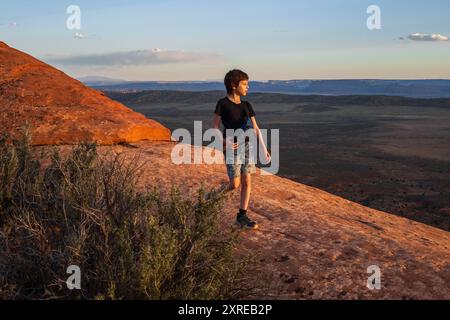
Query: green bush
{"points": [[86, 210]]}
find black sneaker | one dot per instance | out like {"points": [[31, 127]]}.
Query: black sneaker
{"points": [[245, 222]]}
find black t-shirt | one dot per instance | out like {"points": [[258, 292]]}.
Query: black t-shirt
{"points": [[234, 116]]}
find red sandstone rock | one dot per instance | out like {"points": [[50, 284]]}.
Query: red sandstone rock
{"points": [[60, 109], [312, 244]]}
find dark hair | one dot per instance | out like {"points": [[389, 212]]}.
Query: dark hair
{"points": [[233, 77]]}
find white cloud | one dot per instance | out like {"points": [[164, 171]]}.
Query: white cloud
{"points": [[79, 36], [134, 58], [11, 24], [427, 37]]}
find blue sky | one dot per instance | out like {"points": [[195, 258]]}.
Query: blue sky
{"points": [[171, 40]]}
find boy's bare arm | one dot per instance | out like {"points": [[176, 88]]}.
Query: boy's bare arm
{"points": [[216, 124], [260, 138], [216, 121]]}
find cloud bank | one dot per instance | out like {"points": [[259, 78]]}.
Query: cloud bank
{"points": [[134, 58], [427, 37]]}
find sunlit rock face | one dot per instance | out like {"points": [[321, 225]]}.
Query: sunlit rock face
{"points": [[61, 110]]}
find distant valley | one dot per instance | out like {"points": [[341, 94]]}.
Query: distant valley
{"points": [[388, 153], [406, 88]]}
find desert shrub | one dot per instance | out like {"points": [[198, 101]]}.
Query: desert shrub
{"points": [[85, 210]]}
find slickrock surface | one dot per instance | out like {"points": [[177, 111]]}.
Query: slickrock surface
{"points": [[312, 244]]}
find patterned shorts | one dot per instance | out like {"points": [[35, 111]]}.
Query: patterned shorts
{"points": [[242, 162]]}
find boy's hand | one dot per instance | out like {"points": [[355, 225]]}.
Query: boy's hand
{"points": [[268, 157], [231, 144]]}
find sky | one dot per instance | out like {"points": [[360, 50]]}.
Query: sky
{"points": [[187, 40]]}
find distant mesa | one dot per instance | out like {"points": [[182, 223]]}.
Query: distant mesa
{"points": [[62, 110]]}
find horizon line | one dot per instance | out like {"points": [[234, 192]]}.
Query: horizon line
{"points": [[258, 80]]}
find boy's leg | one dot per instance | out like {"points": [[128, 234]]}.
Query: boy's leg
{"points": [[242, 218], [234, 173], [247, 169], [235, 182], [234, 179], [245, 190]]}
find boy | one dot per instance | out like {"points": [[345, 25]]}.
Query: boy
{"points": [[237, 114]]}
